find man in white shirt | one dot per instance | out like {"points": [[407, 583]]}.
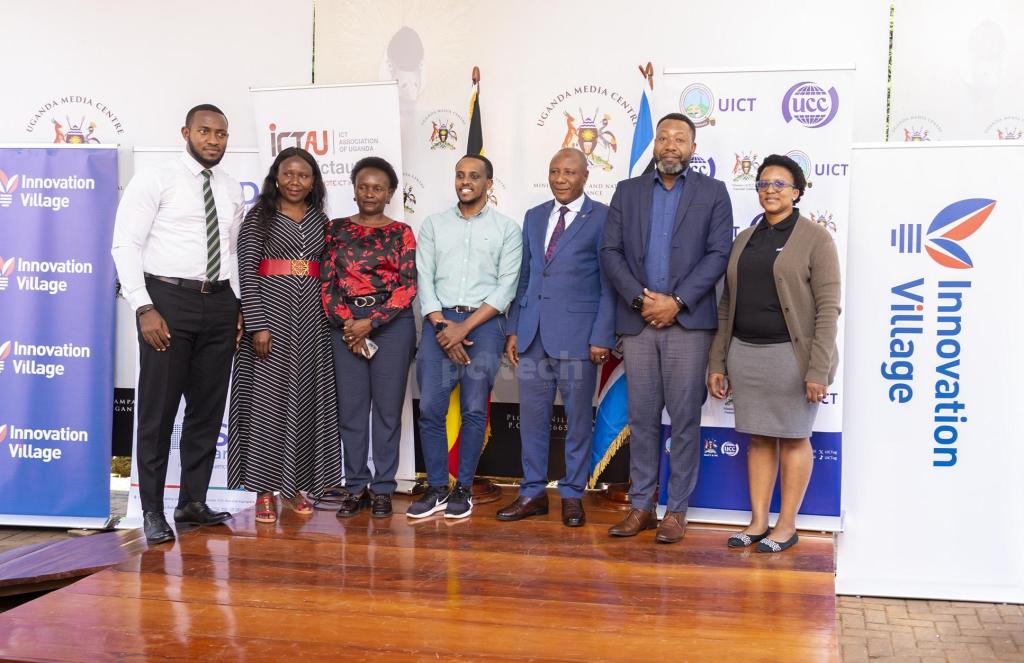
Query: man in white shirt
{"points": [[173, 236]]}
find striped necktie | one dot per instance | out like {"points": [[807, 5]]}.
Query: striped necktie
{"points": [[212, 230]]}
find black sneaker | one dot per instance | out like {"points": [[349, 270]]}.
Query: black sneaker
{"points": [[352, 504], [380, 505], [430, 502], [460, 503]]}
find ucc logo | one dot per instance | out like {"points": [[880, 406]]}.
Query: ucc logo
{"points": [[810, 104]]}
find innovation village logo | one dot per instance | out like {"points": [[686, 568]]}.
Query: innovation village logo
{"points": [[935, 302], [8, 185], [954, 224]]}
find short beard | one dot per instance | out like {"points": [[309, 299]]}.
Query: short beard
{"points": [[672, 170], [206, 163], [474, 202]]}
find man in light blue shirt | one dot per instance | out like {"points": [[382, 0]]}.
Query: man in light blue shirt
{"points": [[467, 260]]}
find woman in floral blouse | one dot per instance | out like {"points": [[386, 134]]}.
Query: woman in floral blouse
{"points": [[369, 282]]}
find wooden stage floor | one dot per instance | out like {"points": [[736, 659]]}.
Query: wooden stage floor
{"points": [[470, 590]]}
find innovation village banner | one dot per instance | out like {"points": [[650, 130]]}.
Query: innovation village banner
{"points": [[932, 473], [743, 115], [57, 208]]}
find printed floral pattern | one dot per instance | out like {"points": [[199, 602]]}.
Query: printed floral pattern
{"points": [[362, 261]]}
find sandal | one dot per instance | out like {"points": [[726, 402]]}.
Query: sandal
{"points": [[266, 509], [301, 505]]}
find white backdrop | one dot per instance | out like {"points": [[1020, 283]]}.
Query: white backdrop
{"points": [[542, 60], [133, 67], [932, 476], [957, 71]]}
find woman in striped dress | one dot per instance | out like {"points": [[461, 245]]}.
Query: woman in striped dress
{"points": [[283, 427]]}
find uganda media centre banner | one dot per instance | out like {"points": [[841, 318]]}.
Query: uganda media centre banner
{"points": [[933, 469], [742, 116], [57, 210]]}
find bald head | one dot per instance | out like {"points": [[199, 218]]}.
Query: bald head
{"points": [[574, 154], [567, 175]]}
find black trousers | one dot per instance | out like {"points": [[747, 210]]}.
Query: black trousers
{"points": [[197, 365]]}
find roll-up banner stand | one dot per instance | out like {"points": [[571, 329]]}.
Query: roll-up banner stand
{"points": [[742, 115], [57, 206]]}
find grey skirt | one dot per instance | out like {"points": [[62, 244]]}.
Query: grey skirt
{"points": [[769, 393]]}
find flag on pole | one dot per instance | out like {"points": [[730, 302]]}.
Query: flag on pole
{"points": [[475, 143], [641, 156], [611, 425]]}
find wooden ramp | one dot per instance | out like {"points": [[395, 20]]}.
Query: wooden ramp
{"points": [[45, 566], [470, 590]]}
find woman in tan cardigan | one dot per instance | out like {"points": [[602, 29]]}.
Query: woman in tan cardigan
{"points": [[776, 346]]}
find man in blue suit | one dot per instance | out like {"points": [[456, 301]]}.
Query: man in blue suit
{"points": [[561, 328], [666, 244]]}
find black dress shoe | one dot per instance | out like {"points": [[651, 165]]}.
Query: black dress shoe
{"points": [[524, 507], [572, 512], [380, 505], [197, 513], [157, 530], [352, 504]]}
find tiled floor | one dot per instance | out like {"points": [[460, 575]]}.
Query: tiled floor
{"points": [[901, 630]]}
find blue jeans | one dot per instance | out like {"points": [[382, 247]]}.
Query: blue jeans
{"points": [[437, 376]]}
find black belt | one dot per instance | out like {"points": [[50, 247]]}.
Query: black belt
{"points": [[461, 309], [205, 287], [362, 301]]}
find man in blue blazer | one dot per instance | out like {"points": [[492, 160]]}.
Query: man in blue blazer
{"points": [[561, 327], [666, 244]]}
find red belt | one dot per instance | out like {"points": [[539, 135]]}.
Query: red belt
{"points": [[280, 267]]}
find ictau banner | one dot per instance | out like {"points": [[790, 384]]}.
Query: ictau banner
{"points": [[742, 116], [57, 336], [932, 475], [338, 125]]}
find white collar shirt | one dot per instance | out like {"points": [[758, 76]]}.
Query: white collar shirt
{"points": [[160, 227], [570, 216]]}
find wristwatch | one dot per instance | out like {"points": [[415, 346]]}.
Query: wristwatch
{"points": [[439, 326], [679, 302], [638, 303]]}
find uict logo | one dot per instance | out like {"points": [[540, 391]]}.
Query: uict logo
{"points": [[5, 351], [7, 188], [952, 225]]}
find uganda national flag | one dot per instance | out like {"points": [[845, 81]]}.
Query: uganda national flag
{"points": [[475, 143], [453, 421]]}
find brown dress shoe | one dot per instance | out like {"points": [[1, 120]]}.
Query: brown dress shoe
{"points": [[524, 507], [672, 528], [635, 522], [572, 512]]}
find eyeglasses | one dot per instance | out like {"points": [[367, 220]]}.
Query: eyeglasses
{"points": [[777, 185]]}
